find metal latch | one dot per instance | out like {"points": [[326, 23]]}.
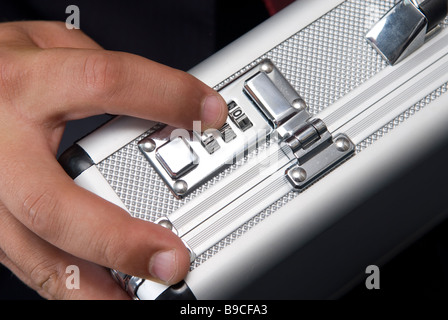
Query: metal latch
{"points": [[309, 140]]}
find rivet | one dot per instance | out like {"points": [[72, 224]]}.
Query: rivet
{"points": [[342, 144], [148, 145], [180, 187], [266, 66], [299, 104], [298, 174], [166, 224]]}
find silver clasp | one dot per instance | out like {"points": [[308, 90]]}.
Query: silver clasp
{"points": [[308, 138]]}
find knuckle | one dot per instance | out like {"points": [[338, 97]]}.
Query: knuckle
{"points": [[10, 79], [39, 209], [13, 75], [113, 248], [181, 83], [177, 90], [57, 25], [101, 73], [49, 279], [111, 251]]}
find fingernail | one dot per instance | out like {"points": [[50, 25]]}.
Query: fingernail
{"points": [[212, 110], [163, 265]]}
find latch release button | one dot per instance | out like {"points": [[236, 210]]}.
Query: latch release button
{"points": [[177, 157]]}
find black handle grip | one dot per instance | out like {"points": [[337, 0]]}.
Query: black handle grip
{"points": [[435, 11]]}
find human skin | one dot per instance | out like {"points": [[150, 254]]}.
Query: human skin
{"points": [[50, 75]]}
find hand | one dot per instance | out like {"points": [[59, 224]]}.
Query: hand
{"points": [[48, 76]]}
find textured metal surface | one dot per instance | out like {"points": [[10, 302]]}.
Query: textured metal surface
{"points": [[323, 62]]}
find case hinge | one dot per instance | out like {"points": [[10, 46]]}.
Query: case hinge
{"points": [[308, 138]]}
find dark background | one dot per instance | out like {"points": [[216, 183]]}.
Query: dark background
{"points": [[181, 34]]}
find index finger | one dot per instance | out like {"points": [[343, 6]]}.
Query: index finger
{"points": [[74, 78], [78, 83]]}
